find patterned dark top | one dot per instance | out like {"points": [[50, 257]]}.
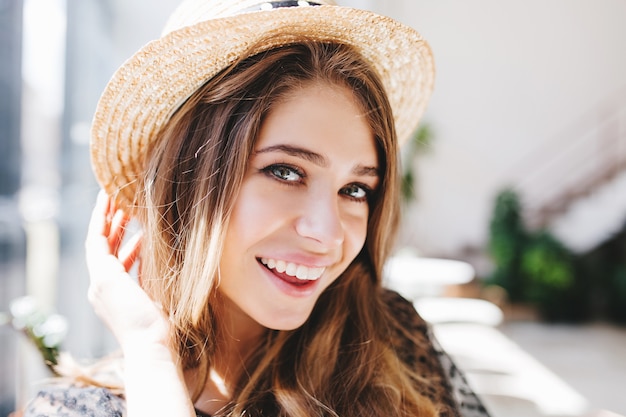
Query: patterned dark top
{"points": [[451, 393]]}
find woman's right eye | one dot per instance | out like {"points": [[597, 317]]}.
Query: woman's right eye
{"points": [[284, 173]]}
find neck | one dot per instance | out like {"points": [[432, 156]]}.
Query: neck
{"points": [[239, 336]]}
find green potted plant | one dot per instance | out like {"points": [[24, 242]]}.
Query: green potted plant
{"points": [[418, 144], [507, 240], [535, 267]]}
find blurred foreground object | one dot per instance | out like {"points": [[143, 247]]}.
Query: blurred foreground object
{"points": [[423, 281], [415, 276], [46, 332]]}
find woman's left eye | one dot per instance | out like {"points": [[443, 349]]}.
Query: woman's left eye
{"points": [[356, 192]]}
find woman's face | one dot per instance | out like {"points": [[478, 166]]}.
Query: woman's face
{"points": [[301, 215]]}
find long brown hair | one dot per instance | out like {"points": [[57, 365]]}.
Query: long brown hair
{"points": [[339, 362]]}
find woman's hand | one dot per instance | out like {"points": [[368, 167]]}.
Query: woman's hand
{"points": [[151, 369], [116, 297]]}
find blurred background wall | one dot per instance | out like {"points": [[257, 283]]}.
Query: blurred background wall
{"points": [[12, 242], [530, 95]]}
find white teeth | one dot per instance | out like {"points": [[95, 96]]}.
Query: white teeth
{"points": [[315, 273], [295, 270], [302, 272], [291, 269]]}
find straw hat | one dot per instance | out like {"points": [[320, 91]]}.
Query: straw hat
{"points": [[205, 36]]}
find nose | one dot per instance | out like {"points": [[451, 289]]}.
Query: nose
{"points": [[320, 220]]}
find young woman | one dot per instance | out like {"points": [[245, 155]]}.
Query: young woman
{"points": [[257, 150]]}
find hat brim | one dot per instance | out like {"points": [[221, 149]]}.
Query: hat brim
{"points": [[148, 88]]}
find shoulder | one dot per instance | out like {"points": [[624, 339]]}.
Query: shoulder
{"points": [[403, 310], [416, 346], [409, 333], [72, 401], [411, 339]]}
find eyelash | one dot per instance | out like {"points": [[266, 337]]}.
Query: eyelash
{"points": [[271, 171], [367, 190]]}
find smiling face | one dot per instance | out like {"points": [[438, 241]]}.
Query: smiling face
{"points": [[301, 215]]}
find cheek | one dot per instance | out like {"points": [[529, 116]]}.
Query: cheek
{"points": [[355, 235], [256, 210]]}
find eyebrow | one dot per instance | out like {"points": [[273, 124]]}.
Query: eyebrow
{"points": [[365, 171], [306, 154], [316, 158]]}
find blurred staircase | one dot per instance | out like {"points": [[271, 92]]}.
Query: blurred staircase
{"points": [[575, 185]]}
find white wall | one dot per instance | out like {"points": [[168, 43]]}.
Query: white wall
{"points": [[137, 22], [511, 76]]}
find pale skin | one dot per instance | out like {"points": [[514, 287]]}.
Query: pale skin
{"points": [[303, 201], [137, 322]]}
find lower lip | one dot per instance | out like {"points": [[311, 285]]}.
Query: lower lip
{"points": [[302, 288]]}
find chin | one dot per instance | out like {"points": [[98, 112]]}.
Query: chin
{"points": [[283, 323]]}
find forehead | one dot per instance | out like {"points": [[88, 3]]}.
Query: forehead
{"points": [[319, 115]]}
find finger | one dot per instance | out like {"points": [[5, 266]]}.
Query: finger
{"points": [[117, 230], [129, 253], [109, 210], [99, 213], [139, 275], [96, 240]]}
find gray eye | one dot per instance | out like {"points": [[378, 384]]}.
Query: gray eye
{"points": [[285, 173], [356, 192]]}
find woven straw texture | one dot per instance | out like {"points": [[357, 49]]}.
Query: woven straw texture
{"points": [[147, 89]]}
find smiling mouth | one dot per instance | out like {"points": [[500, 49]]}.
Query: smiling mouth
{"points": [[292, 270]]}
